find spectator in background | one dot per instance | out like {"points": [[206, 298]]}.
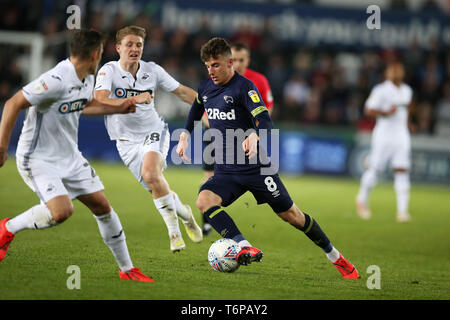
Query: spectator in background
{"points": [[424, 117], [248, 36], [295, 96], [312, 109], [155, 46], [430, 6], [178, 51], [277, 74], [443, 112]]}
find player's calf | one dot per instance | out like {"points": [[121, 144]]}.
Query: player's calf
{"points": [[61, 208], [312, 230]]}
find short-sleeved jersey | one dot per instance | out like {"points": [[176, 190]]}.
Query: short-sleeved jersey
{"points": [[122, 84], [231, 106], [50, 130], [382, 98], [262, 84]]}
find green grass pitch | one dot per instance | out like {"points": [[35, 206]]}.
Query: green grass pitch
{"points": [[413, 258]]}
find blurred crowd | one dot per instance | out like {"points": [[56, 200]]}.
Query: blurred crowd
{"points": [[316, 85]]}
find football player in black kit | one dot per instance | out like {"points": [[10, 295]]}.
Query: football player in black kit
{"points": [[233, 104]]}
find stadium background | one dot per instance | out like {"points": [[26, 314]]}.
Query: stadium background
{"points": [[320, 58]]}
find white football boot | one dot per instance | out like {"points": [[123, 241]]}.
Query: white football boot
{"points": [[192, 228]]}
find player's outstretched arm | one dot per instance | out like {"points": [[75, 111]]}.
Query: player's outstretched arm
{"points": [[9, 118], [103, 97], [95, 107], [185, 94]]}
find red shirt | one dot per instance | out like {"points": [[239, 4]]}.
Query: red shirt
{"points": [[262, 85]]}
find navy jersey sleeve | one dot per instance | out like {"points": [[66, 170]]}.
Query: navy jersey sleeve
{"points": [[253, 102], [195, 113]]}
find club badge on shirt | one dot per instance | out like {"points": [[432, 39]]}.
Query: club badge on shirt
{"points": [[40, 87]]}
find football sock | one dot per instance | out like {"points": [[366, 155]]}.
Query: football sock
{"points": [[244, 243], [333, 255], [37, 217], [315, 233], [114, 237], [402, 187], [166, 207], [223, 224], [368, 181], [182, 211]]}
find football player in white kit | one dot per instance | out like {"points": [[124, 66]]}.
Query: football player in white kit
{"points": [[47, 155], [389, 102], [143, 138]]}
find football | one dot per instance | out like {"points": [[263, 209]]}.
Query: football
{"points": [[222, 255]]}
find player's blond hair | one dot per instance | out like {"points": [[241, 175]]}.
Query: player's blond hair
{"points": [[134, 30]]}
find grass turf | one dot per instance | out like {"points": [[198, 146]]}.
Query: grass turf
{"points": [[413, 258]]}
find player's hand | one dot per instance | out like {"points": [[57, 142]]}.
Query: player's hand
{"points": [[144, 98], [128, 106], [391, 111], [3, 156], [250, 145], [182, 146]]}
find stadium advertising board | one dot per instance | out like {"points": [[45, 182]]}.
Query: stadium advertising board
{"points": [[306, 24]]}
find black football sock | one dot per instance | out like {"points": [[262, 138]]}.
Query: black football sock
{"points": [[222, 223], [313, 232]]}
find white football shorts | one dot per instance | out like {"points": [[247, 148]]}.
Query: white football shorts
{"points": [[133, 152], [49, 181], [393, 152]]}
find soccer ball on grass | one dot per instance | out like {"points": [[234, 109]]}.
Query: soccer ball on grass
{"points": [[222, 255]]}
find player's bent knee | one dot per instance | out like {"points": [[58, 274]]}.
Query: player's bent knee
{"points": [[152, 177], [203, 204]]}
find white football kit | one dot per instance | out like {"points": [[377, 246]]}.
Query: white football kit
{"points": [[390, 138], [143, 131], [47, 155]]}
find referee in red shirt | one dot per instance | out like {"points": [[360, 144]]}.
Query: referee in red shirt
{"points": [[241, 57]]}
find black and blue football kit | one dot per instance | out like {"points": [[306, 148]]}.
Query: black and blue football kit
{"points": [[232, 108]]}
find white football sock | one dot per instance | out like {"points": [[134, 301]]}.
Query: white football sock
{"points": [[182, 211], [37, 217], [333, 255], [166, 207], [114, 237], [244, 243], [402, 187], [368, 181]]}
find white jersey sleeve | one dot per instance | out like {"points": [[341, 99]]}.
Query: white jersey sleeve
{"points": [[44, 90], [104, 78], [164, 80], [374, 101], [409, 94]]}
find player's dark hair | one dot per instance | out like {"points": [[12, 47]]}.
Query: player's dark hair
{"points": [[238, 46], [84, 42], [214, 48]]}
